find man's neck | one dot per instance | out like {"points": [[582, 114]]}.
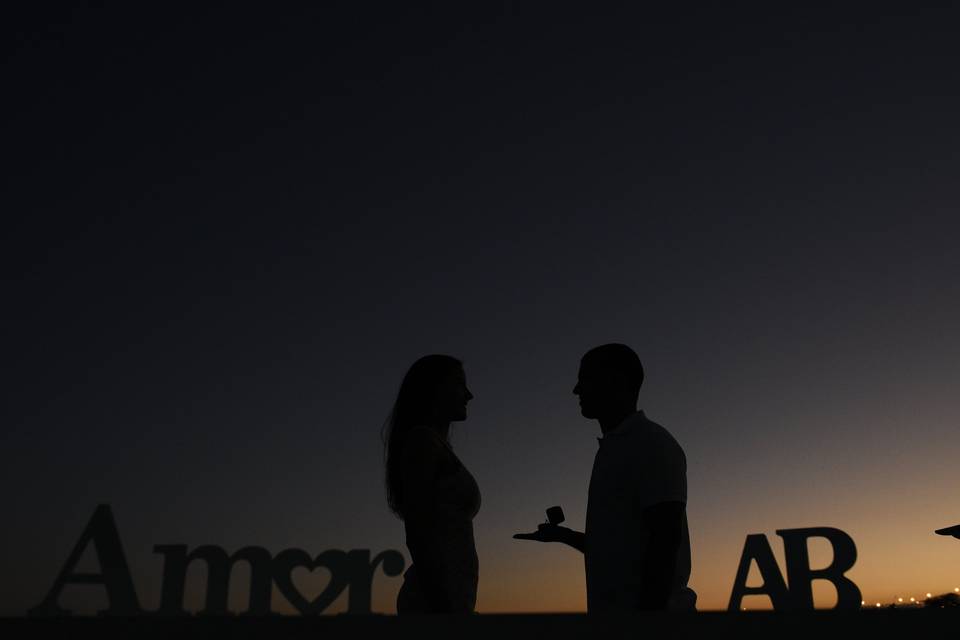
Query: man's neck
{"points": [[610, 422]]}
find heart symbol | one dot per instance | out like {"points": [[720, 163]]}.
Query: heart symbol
{"points": [[334, 560]]}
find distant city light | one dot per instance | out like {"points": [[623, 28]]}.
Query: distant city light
{"points": [[899, 600]]}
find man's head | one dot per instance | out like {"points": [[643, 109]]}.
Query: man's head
{"points": [[609, 381]]}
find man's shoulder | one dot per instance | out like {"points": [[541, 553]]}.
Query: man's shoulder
{"points": [[651, 432]]}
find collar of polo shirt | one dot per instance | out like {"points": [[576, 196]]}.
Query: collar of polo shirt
{"points": [[621, 428]]}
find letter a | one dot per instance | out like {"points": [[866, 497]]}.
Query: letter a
{"points": [[756, 548], [114, 576]]}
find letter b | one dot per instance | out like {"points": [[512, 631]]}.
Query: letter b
{"points": [[800, 576]]}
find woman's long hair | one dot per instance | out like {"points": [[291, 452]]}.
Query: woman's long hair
{"points": [[414, 406]]}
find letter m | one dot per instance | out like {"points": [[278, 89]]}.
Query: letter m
{"points": [[219, 567]]}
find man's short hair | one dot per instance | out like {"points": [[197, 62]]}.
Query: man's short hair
{"points": [[618, 360]]}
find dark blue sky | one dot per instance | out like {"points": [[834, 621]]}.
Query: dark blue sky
{"points": [[230, 231]]}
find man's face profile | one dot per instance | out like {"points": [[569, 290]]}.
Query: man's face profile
{"points": [[590, 389]]}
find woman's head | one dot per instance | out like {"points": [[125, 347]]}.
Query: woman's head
{"points": [[433, 393]]}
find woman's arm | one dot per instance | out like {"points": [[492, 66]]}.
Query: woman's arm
{"points": [[419, 464]]}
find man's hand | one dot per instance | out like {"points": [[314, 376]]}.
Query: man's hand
{"points": [[546, 532]]}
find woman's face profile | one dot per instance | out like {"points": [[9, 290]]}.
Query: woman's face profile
{"points": [[453, 396]]}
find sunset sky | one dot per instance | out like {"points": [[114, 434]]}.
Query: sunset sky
{"points": [[228, 234]]}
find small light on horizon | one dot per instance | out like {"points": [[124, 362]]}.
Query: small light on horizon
{"points": [[913, 599], [878, 604], [929, 595], [899, 599]]}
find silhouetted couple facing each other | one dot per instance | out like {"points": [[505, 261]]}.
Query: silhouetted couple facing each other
{"points": [[635, 544]]}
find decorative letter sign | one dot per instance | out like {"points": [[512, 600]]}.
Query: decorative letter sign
{"points": [[354, 571], [799, 595], [351, 570], [114, 575], [757, 549]]}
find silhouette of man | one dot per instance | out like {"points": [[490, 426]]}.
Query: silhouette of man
{"points": [[636, 546]]}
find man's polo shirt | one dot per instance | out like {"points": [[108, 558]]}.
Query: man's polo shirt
{"points": [[639, 464]]}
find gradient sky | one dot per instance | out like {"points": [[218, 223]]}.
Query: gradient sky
{"points": [[228, 233]]}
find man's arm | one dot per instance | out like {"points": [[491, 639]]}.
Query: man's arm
{"points": [[547, 532], [665, 521]]}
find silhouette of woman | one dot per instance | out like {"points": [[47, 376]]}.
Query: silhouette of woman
{"points": [[430, 489]]}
